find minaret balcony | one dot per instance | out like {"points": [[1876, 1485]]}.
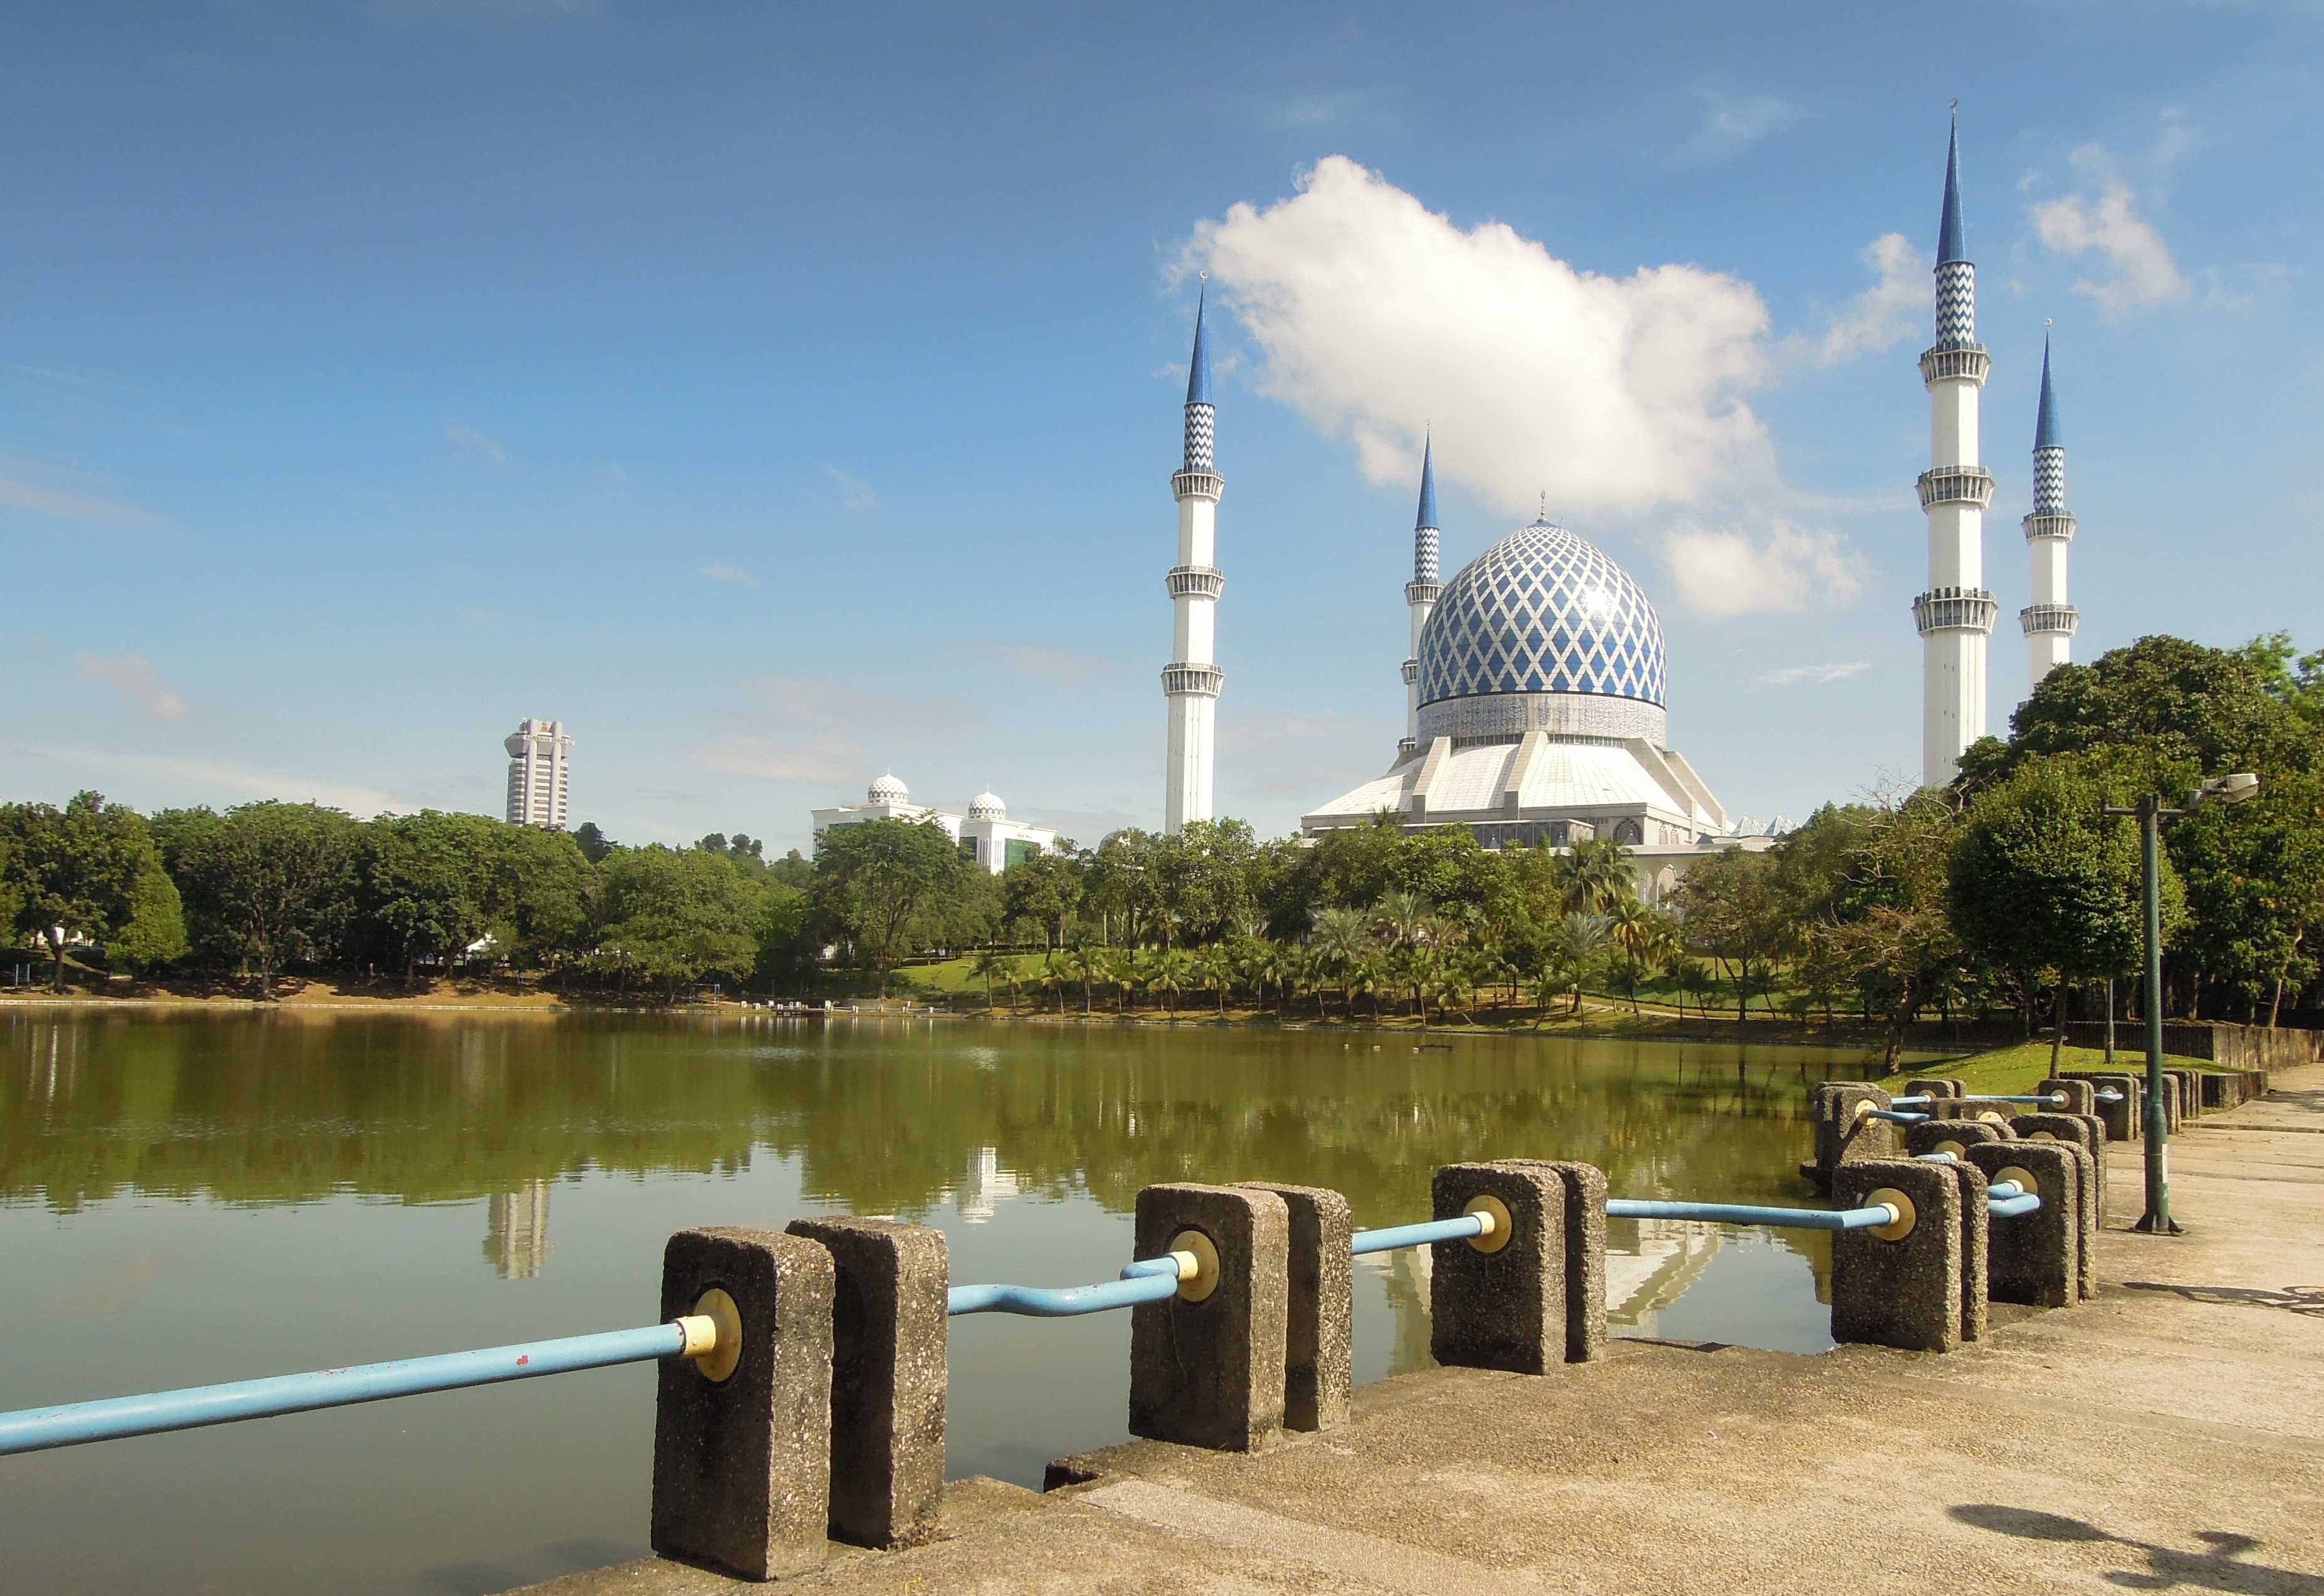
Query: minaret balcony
{"points": [[1954, 609], [1411, 671], [1196, 581], [1197, 484], [2049, 620], [1182, 680], [1422, 592], [1956, 362], [1956, 484], [2058, 525]]}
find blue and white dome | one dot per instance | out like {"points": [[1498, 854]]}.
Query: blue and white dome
{"points": [[1542, 632], [888, 790]]}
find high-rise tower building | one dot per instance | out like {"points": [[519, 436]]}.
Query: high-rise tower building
{"points": [[1420, 594], [1190, 681], [2049, 620], [540, 766], [1955, 614]]}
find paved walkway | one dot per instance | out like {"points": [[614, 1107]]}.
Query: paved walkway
{"points": [[2168, 1436]]}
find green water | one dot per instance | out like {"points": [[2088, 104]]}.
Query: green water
{"points": [[199, 1198]]}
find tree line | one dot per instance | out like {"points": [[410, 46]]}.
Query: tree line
{"points": [[2008, 889]]}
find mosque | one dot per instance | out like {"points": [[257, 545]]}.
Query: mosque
{"points": [[1535, 706]]}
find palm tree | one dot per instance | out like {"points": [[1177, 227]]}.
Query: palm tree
{"points": [[1694, 979], [1632, 925], [1168, 976], [1406, 916], [1366, 977], [1341, 938], [1214, 969], [1596, 877], [1580, 939], [1089, 965], [988, 962]]}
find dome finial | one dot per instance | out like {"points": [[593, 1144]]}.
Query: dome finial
{"points": [[1952, 243], [1198, 372]]}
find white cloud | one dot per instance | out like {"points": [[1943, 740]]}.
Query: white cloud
{"points": [[736, 574], [206, 781], [1060, 668], [1882, 315], [1727, 571], [1730, 121], [135, 675], [467, 437], [854, 494], [2108, 226], [1795, 676], [1377, 316], [21, 489], [825, 732]]}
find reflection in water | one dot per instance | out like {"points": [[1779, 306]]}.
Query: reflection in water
{"points": [[179, 1178], [516, 1233]]}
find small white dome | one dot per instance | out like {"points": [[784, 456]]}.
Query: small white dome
{"points": [[987, 806], [888, 791]]}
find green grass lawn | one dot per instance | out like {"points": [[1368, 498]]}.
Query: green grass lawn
{"points": [[2017, 1070]]}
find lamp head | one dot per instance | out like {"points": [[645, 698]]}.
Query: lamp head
{"points": [[2229, 789]]}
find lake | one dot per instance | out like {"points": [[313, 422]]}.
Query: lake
{"points": [[186, 1198]]}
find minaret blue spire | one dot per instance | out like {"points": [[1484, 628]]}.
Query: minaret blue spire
{"points": [[1198, 374], [2046, 424], [1951, 245], [1428, 486]]}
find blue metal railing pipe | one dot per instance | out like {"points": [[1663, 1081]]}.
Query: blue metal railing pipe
{"points": [[1789, 1219], [1458, 1228], [74, 1424], [1144, 1279], [2012, 1207], [1895, 1118]]}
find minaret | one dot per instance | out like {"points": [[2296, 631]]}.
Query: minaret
{"points": [[1955, 615], [1420, 594], [2049, 620], [1191, 680]]}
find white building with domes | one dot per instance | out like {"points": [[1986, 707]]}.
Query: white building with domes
{"points": [[1536, 709], [985, 833]]}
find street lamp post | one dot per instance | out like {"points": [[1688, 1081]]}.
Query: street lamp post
{"points": [[2150, 812]]}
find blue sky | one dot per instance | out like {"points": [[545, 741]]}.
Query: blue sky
{"points": [[782, 394]]}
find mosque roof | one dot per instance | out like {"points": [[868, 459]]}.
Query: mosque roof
{"points": [[888, 790], [1563, 777], [987, 806], [2045, 425], [1542, 611], [1951, 241], [1198, 370]]}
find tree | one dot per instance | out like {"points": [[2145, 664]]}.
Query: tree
{"points": [[1729, 908], [1342, 940], [426, 879], [265, 884], [89, 871], [874, 878], [2042, 883], [1046, 890], [539, 895], [2214, 710], [676, 917], [594, 843]]}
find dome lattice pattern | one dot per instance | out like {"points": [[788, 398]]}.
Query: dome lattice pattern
{"points": [[1543, 611]]}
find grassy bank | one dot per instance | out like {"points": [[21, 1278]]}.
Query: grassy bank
{"points": [[2010, 1071]]}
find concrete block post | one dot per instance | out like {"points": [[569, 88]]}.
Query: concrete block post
{"points": [[1841, 1135], [888, 1369], [1501, 1305], [1899, 1285], [1207, 1367], [2087, 1132], [1948, 1136], [2036, 1258], [741, 1477], [2122, 1117], [1975, 1221], [1932, 1086], [2081, 1097], [2191, 1092], [1585, 1258], [1319, 1336]]}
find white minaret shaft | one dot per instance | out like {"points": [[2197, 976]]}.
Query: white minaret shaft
{"points": [[2049, 620], [1191, 680], [1420, 594], [1955, 615]]}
